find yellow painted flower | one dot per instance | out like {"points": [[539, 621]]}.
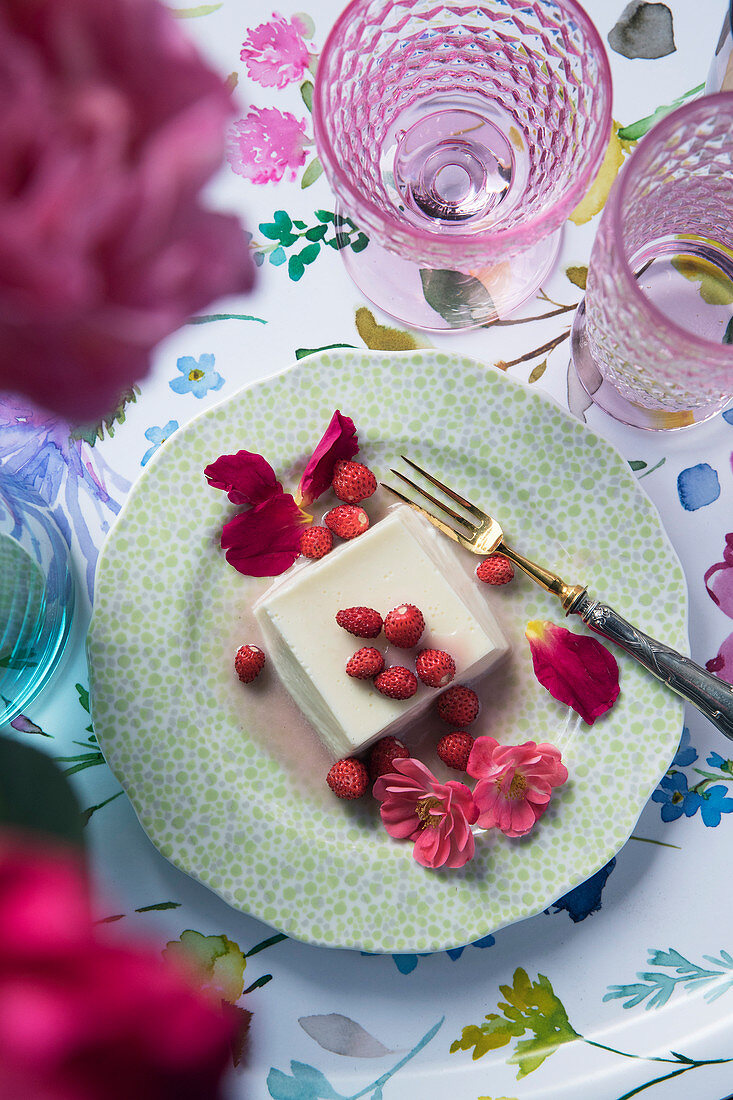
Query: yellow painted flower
{"points": [[595, 197], [218, 963]]}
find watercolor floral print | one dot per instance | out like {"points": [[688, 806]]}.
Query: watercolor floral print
{"points": [[268, 144], [275, 53], [681, 793]]}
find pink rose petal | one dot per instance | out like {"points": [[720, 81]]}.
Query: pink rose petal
{"points": [[246, 478], [576, 669], [265, 541], [339, 441]]}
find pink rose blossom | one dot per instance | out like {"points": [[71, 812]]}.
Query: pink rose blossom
{"points": [[436, 816], [81, 1018], [575, 668], [266, 144], [515, 783], [111, 125], [275, 53]]}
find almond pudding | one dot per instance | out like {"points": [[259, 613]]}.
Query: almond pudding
{"points": [[400, 560]]}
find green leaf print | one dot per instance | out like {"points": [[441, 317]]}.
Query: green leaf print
{"points": [[219, 961], [457, 297], [529, 1007], [312, 173]]}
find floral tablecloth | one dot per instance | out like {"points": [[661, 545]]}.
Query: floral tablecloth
{"points": [[623, 986]]}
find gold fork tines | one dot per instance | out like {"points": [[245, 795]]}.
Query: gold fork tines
{"points": [[484, 536]]}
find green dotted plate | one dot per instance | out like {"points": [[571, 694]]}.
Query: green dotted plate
{"points": [[235, 795]]}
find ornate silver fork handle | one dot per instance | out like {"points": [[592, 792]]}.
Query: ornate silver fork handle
{"points": [[712, 696]]}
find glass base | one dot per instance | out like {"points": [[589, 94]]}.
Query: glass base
{"points": [[36, 596], [608, 398], [445, 300]]}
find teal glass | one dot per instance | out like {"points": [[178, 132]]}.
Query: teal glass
{"points": [[36, 595]]}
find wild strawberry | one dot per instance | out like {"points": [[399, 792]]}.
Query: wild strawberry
{"points": [[458, 706], [352, 481], [435, 667], [454, 749], [396, 682], [348, 778], [382, 754], [495, 570], [362, 622], [404, 626], [248, 663], [365, 664], [315, 542], [347, 521]]}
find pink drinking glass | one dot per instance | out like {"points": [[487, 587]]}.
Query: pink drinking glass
{"points": [[652, 341], [459, 137]]}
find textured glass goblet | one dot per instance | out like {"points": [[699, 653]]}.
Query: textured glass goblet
{"points": [[459, 137], [36, 595], [652, 341]]}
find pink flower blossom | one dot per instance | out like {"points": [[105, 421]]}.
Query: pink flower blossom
{"points": [[111, 126], [575, 668], [339, 441], [436, 816], [266, 144], [515, 783], [275, 53], [83, 1018]]}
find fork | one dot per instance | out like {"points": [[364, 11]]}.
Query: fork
{"points": [[483, 535]]}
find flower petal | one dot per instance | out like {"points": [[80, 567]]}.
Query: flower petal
{"points": [[265, 541], [521, 819], [339, 441], [246, 478], [576, 669]]}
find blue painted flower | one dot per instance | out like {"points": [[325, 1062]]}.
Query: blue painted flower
{"points": [[675, 798], [715, 803], [157, 436], [406, 963], [586, 899], [698, 486], [197, 375], [70, 473], [715, 760], [685, 754]]}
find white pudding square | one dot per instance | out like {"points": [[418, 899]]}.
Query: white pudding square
{"points": [[401, 559]]}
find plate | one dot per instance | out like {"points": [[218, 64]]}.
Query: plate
{"points": [[234, 793]]}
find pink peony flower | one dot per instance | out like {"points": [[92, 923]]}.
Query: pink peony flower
{"points": [[436, 816], [515, 783], [575, 669], [111, 126], [275, 53], [266, 144], [81, 1019]]}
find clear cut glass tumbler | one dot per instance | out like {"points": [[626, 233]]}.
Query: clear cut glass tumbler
{"points": [[36, 595], [652, 340], [459, 137]]}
